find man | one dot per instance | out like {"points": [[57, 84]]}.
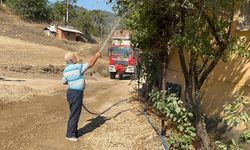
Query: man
{"points": [[73, 75]]}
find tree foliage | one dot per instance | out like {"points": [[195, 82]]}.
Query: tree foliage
{"points": [[99, 23], [234, 115], [58, 11], [82, 20], [172, 107], [36, 10]]}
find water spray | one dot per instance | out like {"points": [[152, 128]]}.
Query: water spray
{"points": [[116, 24]]}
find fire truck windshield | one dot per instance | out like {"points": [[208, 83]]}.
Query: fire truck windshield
{"points": [[121, 51]]}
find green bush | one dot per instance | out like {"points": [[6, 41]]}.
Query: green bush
{"points": [[245, 136], [234, 115], [231, 146], [172, 107], [35, 10]]}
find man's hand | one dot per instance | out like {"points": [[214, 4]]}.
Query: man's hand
{"points": [[98, 54], [94, 59]]}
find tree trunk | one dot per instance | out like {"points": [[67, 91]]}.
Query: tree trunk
{"points": [[163, 95], [199, 122], [67, 13], [164, 73], [164, 66], [188, 96]]}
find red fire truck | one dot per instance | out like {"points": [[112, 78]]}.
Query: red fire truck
{"points": [[121, 55]]}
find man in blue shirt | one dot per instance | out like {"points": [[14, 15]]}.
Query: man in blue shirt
{"points": [[73, 75]]}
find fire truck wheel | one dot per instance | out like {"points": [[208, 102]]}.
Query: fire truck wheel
{"points": [[120, 76], [112, 75]]}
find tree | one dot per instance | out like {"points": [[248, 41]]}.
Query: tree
{"points": [[36, 10], [58, 10], [207, 44], [99, 23], [82, 20], [199, 30], [68, 3], [62, 10]]}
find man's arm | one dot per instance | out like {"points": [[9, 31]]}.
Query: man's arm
{"points": [[93, 60]]}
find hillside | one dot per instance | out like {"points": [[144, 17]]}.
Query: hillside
{"points": [[14, 27], [109, 19], [21, 40]]}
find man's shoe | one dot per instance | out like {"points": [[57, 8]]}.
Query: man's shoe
{"points": [[72, 139]]}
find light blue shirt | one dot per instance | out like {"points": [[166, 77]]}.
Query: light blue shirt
{"points": [[73, 75]]}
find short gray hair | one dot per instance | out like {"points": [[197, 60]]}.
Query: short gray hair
{"points": [[68, 56]]}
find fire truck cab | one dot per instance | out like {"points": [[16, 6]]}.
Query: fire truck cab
{"points": [[121, 55]]}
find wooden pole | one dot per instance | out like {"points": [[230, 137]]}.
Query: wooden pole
{"points": [[67, 15], [67, 12]]}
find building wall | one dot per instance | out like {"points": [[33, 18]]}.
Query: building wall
{"points": [[227, 79], [66, 35], [71, 36], [59, 34]]}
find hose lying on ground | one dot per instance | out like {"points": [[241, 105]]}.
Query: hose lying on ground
{"points": [[99, 114], [164, 142]]}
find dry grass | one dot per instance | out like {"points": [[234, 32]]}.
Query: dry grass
{"points": [[18, 90], [15, 51], [14, 93]]}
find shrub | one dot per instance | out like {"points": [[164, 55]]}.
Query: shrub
{"points": [[234, 115], [36, 10], [172, 107]]}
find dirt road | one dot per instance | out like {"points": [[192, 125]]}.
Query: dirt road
{"points": [[40, 123]]}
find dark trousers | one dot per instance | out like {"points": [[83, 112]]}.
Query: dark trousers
{"points": [[74, 98]]}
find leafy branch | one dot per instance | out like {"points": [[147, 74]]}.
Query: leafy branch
{"points": [[172, 107]]}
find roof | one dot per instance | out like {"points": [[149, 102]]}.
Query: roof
{"points": [[51, 28], [69, 29]]}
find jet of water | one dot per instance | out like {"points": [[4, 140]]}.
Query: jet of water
{"points": [[115, 26]]}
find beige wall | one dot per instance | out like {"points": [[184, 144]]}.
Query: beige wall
{"points": [[61, 35], [226, 80]]}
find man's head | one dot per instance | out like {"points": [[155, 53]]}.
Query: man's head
{"points": [[70, 58]]}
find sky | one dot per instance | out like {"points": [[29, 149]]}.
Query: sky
{"points": [[92, 4]]}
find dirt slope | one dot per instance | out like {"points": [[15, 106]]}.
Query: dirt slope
{"points": [[14, 27], [15, 51]]}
